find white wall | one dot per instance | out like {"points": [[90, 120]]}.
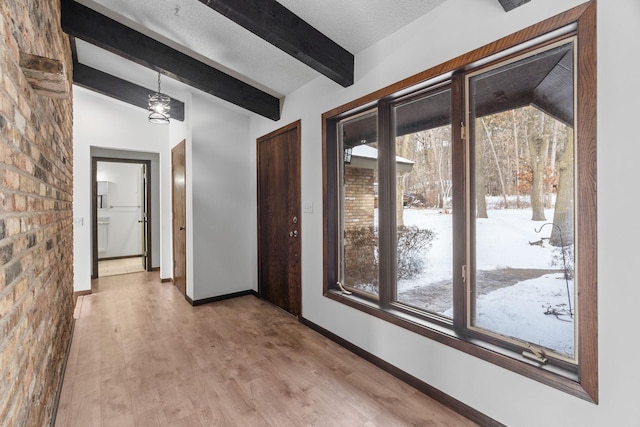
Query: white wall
{"points": [[223, 202], [454, 28], [220, 201], [100, 121]]}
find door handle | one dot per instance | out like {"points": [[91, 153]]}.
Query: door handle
{"points": [[181, 228], [293, 233]]}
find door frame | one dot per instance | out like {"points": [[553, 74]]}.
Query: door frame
{"points": [[291, 126], [94, 208]]}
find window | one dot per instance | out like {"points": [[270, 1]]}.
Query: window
{"points": [[522, 252], [462, 205], [360, 252], [423, 184]]}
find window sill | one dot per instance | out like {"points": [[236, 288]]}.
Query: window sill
{"points": [[562, 379]]}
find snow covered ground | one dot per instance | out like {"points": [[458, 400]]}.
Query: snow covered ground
{"points": [[532, 308]]}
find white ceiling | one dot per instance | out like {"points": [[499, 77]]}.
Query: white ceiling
{"points": [[198, 31]]}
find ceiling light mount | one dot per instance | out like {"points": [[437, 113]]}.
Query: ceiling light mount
{"points": [[159, 106]]}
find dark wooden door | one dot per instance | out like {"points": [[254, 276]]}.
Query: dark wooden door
{"points": [[179, 214], [278, 157]]}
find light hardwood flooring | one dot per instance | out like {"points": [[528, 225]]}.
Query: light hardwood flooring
{"points": [[113, 267], [142, 356]]}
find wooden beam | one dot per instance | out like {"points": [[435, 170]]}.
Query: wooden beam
{"points": [[93, 27], [279, 26], [512, 4], [45, 75], [120, 89]]}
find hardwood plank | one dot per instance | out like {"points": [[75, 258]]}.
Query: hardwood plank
{"points": [[141, 355], [116, 404]]}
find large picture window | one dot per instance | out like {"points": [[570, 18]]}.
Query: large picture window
{"points": [[462, 205]]}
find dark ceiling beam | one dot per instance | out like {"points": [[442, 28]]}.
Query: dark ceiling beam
{"points": [[279, 26], [120, 89], [86, 24], [508, 5]]}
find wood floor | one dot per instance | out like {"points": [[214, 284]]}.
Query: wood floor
{"points": [[142, 356], [113, 267]]}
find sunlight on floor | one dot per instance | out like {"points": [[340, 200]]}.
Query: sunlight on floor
{"points": [[114, 267]]}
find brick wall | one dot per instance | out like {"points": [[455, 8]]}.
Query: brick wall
{"points": [[36, 235], [359, 198]]}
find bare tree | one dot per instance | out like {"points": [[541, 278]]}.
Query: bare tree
{"points": [[538, 144], [563, 213], [495, 157], [403, 148], [480, 187], [516, 147], [552, 158]]}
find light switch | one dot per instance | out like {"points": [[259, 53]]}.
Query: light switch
{"points": [[308, 207]]}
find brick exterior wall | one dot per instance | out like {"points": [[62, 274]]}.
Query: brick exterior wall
{"points": [[36, 225], [359, 198]]}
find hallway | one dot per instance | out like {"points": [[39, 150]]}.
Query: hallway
{"points": [[142, 356]]}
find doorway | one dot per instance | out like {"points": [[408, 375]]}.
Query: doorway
{"points": [[121, 216], [279, 222], [179, 216]]}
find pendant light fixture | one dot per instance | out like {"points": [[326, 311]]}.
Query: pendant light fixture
{"points": [[159, 106]]}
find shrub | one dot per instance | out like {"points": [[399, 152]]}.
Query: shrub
{"points": [[412, 245], [361, 255]]}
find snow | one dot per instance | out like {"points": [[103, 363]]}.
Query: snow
{"points": [[534, 309], [518, 311], [368, 152]]}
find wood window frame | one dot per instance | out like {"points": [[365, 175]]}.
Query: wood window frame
{"points": [[582, 380]]}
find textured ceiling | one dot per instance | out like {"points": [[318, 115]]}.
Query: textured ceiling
{"points": [[196, 30]]}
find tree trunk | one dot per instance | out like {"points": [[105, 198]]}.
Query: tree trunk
{"points": [[517, 155], [402, 150], [552, 157], [481, 200], [498, 168], [562, 233], [538, 147]]}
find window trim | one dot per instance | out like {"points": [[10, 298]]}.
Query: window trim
{"points": [[581, 382]]}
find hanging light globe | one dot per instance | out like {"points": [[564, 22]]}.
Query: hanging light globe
{"points": [[159, 106]]}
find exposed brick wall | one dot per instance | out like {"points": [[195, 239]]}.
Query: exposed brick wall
{"points": [[359, 198], [36, 234]]}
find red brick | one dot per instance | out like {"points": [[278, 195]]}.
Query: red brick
{"points": [[35, 287], [10, 179]]}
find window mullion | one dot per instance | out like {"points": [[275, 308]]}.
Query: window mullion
{"points": [[386, 205], [459, 203]]}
